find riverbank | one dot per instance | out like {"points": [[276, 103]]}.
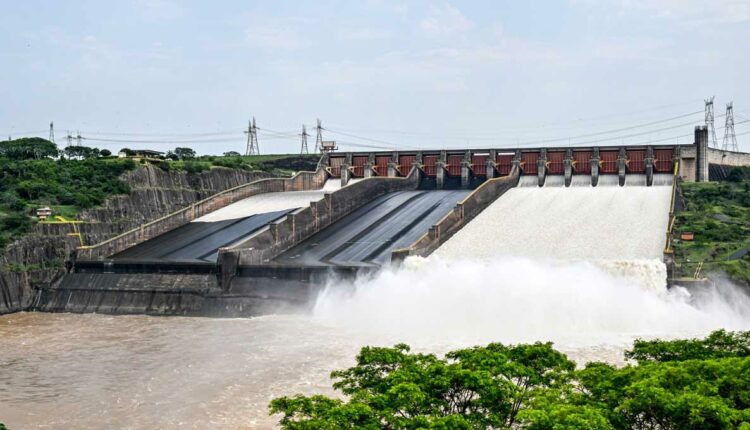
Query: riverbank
{"points": [[712, 231]]}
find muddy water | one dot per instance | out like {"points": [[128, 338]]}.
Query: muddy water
{"points": [[93, 371], [138, 372]]}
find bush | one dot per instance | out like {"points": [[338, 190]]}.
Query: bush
{"points": [[196, 166]]}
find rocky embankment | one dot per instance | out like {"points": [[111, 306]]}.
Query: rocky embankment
{"points": [[39, 258]]}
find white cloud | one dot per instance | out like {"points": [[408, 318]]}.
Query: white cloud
{"points": [[445, 20]]}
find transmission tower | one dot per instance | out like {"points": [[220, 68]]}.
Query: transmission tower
{"points": [[252, 139], [319, 138], [69, 137], [78, 138], [710, 121], [730, 138], [303, 149], [52, 132]]}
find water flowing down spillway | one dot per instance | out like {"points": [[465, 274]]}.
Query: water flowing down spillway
{"points": [[579, 266], [622, 229]]}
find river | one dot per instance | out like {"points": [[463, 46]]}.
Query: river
{"points": [[139, 372]]}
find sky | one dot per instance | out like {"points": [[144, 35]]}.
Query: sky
{"points": [[378, 73]]}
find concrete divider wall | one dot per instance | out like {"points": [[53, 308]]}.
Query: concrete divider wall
{"points": [[299, 182], [464, 212], [281, 235]]}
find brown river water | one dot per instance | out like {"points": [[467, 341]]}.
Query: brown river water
{"points": [[60, 371]]}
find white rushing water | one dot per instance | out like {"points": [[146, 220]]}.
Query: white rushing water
{"points": [[579, 266]]}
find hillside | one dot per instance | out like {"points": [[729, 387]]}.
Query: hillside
{"points": [[76, 180], [718, 216]]}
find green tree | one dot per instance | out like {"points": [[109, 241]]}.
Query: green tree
{"points": [[105, 153], [83, 152], [184, 153], [232, 154], [719, 344], [31, 148], [537, 388], [482, 387]]}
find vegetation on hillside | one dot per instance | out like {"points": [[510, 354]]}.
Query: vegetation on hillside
{"points": [[280, 165], [718, 214], [683, 384], [34, 173]]}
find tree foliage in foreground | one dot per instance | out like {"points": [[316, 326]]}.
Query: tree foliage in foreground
{"points": [[681, 384]]}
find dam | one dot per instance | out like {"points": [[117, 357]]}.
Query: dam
{"points": [[503, 259], [272, 245]]}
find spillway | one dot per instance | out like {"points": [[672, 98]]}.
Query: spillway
{"points": [[580, 222], [370, 233], [200, 240]]}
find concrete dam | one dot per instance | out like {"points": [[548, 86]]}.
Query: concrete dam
{"points": [[271, 245]]}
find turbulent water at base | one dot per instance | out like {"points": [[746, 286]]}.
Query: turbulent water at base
{"points": [[533, 275]]}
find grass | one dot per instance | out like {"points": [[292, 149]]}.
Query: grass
{"points": [[718, 214]]}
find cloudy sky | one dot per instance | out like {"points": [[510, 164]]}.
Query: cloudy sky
{"points": [[383, 73]]}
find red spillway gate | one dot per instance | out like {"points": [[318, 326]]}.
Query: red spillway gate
{"points": [[582, 162], [663, 160], [636, 160], [381, 164], [336, 163], [479, 165], [358, 165], [454, 165], [404, 164], [504, 164], [608, 161], [429, 164], [555, 164], [528, 163]]}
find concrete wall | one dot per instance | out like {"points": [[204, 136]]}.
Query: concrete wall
{"points": [[728, 158], [171, 294], [301, 181], [464, 212], [281, 235]]}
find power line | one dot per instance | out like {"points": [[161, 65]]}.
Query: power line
{"points": [[709, 119], [303, 148], [730, 138], [252, 139]]}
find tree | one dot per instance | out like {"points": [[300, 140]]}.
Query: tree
{"points": [[80, 152], [128, 152], [184, 153], [719, 344], [232, 154], [31, 148], [105, 153], [482, 387], [537, 388]]}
